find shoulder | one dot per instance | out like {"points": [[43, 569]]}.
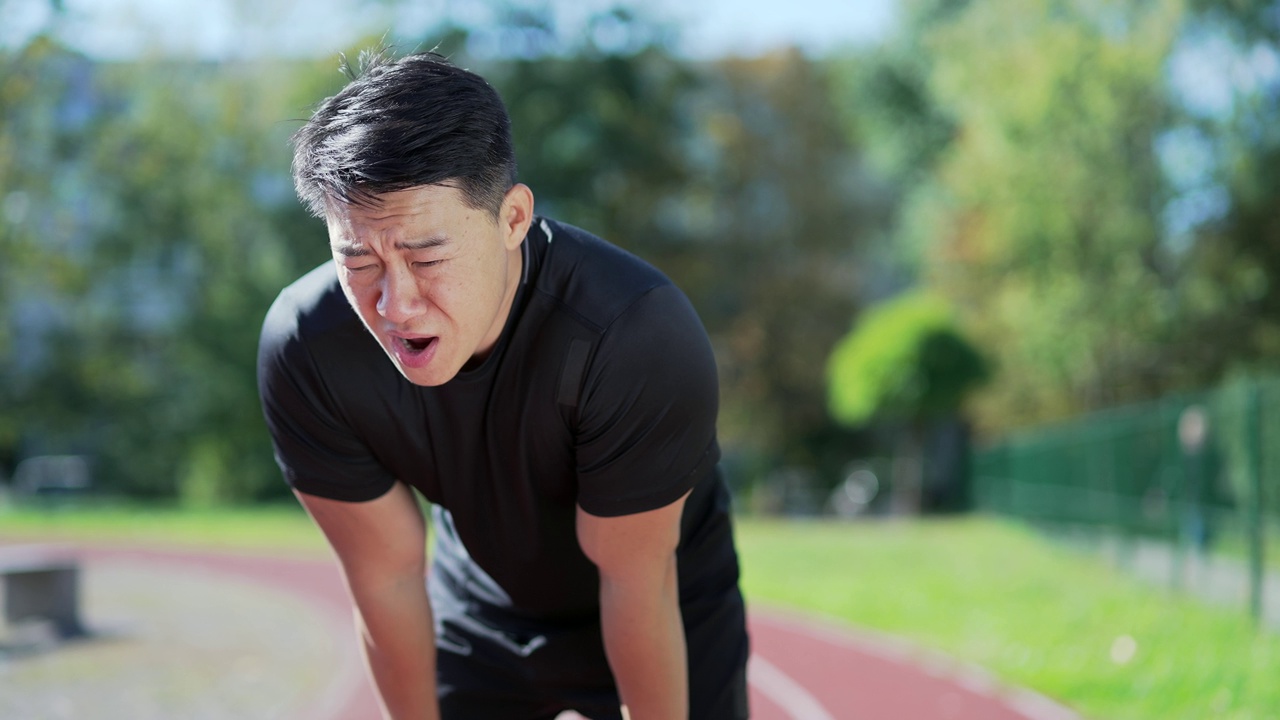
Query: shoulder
{"points": [[314, 367], [591, 278], [310, 324], [633, 318], [311, 306]]}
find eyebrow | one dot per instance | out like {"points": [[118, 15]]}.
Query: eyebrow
{"points": [[352, 250], [434, 241]]}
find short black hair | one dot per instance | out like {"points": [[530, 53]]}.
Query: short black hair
{"points": [[404, 123]]}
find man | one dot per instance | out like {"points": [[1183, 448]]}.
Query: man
{"points": [[551, 396]]}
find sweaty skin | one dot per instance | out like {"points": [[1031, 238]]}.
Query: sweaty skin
{"points": [[431, 278]]}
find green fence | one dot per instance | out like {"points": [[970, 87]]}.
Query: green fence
{"points": [[1197, 473]]}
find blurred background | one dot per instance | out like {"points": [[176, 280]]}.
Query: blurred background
{"points": [[913, 228], [1018, 257]]}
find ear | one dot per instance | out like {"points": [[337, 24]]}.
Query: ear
{"points": [[516, 215]]}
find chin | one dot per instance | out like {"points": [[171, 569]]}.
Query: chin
{"points": [[425, 378]]}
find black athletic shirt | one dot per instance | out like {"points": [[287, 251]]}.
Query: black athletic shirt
{"points": [[601, 392]]}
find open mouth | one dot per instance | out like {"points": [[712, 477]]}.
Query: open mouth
{"points": [[415, 345]]}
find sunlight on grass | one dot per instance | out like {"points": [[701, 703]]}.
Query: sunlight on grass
{"points": [[280, 529], [1038, 615]]}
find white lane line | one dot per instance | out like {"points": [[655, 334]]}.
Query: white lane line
{"points": [[798, 703], [1034, 705], [1024, 701]]}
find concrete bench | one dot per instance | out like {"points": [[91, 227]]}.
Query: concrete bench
{"points": [[41, 583]]}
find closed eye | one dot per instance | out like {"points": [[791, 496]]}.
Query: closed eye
{"points": [[427, 263]]}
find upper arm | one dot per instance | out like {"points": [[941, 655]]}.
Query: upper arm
{"points": [[306, 407], [645, 430], [635, 545], [376, 539]]}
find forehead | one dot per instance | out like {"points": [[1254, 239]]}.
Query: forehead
{"points": [[428, 205]]}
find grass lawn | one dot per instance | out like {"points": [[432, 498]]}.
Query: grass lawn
{"points": [[1036, 614], [277, 529], [984, 591]]}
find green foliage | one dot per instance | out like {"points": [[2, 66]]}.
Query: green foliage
{"points": [[1050, 200], [1011, 157], [1235, 252], [736, 179], [598, 139], [158, 226], [779, 209], [905, 359], [138, 299], [1039, 216], [1106, 233], [886, 101]]}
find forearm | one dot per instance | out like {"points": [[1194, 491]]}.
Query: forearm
{"points": [[645, 644], [380, 545], [396, 633]]}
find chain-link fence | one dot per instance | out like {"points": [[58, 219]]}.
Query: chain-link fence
{"points": [[1193, 480]]}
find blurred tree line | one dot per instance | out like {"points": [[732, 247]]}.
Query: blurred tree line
{"points": [[1092, 184], [1098, 227]]}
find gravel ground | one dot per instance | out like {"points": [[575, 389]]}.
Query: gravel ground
{"points": [[171, 644]]}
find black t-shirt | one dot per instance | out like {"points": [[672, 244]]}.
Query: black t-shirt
{"points": [[601, 392]]}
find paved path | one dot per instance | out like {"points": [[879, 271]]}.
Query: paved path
{"points": [[801, 668], [1217, 579]]}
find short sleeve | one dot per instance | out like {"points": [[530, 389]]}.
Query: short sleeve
{"points": [[316, 449], [646, 426]]}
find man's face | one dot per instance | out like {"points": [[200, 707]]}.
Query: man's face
{"points": [[432, 278]]}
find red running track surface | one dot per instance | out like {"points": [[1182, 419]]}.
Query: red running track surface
{"points": [[801, 668]]}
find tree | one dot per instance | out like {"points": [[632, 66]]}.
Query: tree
{"points": [[906, 363], [1040, 219], [734, 178], [1223, 150], [778, 212], [159, 223], [600, 135]]}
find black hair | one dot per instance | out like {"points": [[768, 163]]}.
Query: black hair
{"points": [[399, 124]]}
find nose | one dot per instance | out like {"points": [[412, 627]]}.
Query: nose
{"points": [[399, 298]]}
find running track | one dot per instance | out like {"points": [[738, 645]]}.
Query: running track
{"points": [[801, 668]]}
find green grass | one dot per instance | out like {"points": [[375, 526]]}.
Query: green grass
{"points": [[1237, 546], [983, 591], [1034, 613], [284, 529]]}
